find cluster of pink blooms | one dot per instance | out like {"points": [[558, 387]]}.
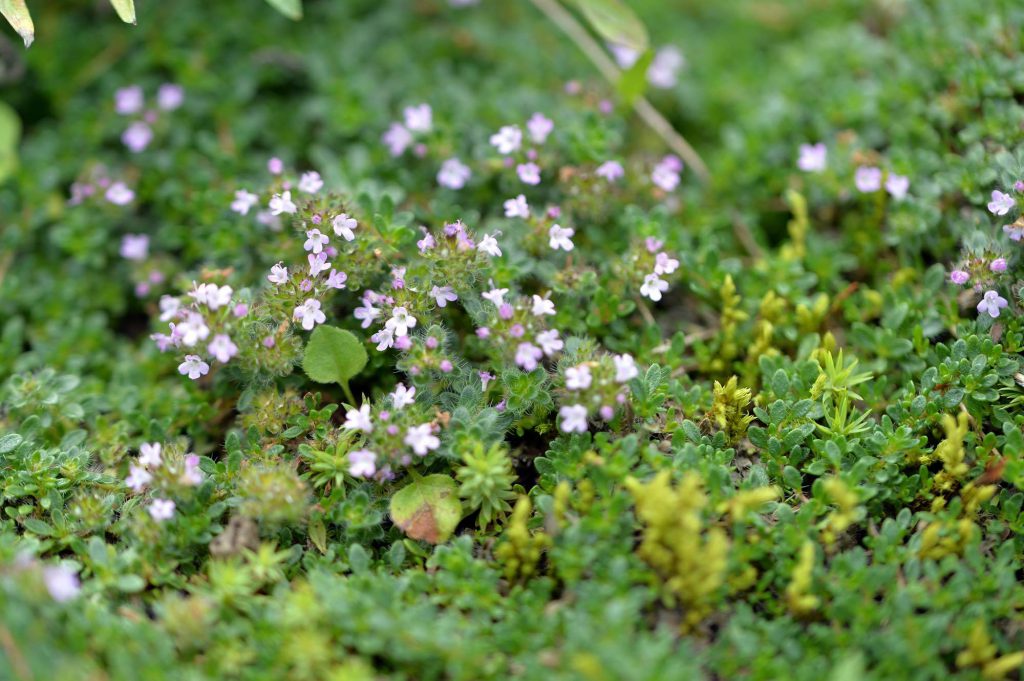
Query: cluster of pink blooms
{"points": [[417, 121], [99, 186], [595, 387], [391, 435], [130, 101], [665, 175], [982, 272], [661, 264], [151, 466], [813, 158]]}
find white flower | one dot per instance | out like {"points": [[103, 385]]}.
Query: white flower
{"points": [[402, 396], [138, 478], [161, 509], [897, 186], [625, 368], [868, 179], [169, 307], [663, 264], [367, 313], [311, 182], [528, 355], [244, 201], [401, 321], [358, 419], [578, 377], [454, 174], [134, 247], [992, 303], [385, 338], [282, 203], [539, 127], [508, 139], [495, 295], [419, 118], [574, 418], [662, 73], [309, 314], [542, 306], [222, 348], [610, 171], [653, 287], [149, 454], [1001, 203], [194, 366], [278, 274], [119, 194], [337, 279], [517, 208], [217, 296], [813, 158], [317, 263], [362, 463], [665, 177], [443, 295], [421, 439], [549, 341], [561, 237], [315, 240], [193, 329], [343, 226], [489, 245]]}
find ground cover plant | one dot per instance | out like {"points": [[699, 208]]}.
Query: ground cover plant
{"points": [[398, 342]]}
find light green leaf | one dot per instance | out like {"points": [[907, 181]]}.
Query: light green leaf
{"points": [[18, 17], [333, 355], [633, 81], [428, 509], [290, 8], [615, 22], [9, 442], [125, 9], [10, 134]]}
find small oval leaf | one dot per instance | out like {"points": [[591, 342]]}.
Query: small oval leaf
{"points": [[428, 509], [333, 355]]}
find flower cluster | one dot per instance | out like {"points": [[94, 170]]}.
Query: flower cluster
{"points": [[595, 389], [131, 102], [165, 470]]}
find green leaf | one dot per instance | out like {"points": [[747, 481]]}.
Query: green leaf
{"points": [[125, 9], [18, 17], [290, 8], [633, 81], [333, 355], [615, 22], [38, 527], [10, 134], [428, 509], [9, 442]]}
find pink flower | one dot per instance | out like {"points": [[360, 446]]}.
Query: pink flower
{"points": [[343, 226], [610, 171], [443, 295], [191, 475], [170, 96], [129, 100], [813, 158], [1001, 203], [397, 138], [358, 419], [998, 265], [663, 264], [244, 201], [119, 194], [653, 287], [528, 355], [275, 166], [278, 274], [317, 263], [138, 478], [161, 509], [959, 277], [991, 304], [222, 348], [315, 240], [625, 368], [517, 208], [419, 118], [665, 176], [149, 454], [421, 439], [134, 247], [549, 342], [137, 137], [194, 367], [574, 418], [529, 173], [310, 183], [578, 377], [664, 69], [309, 314], [897, 186], [336, 279], [454, 174], [868, 179], [282, 203], [362, 463], [539, 126], [61, 582], [1014, 231]]}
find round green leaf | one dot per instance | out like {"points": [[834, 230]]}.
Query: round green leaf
{"points": [[428, 509], [333, 355]]}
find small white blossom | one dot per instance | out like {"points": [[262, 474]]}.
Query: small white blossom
{"points": [[278, 274], [402, 397], [194, 367], [309, 314], [401, 321], [421, 439], [528, 355], [508, 139], [549, 341], [311, 182], [489, 245], [517, 208], [149, 454], [244, 202], [282, 203], [625, 368], [653, 287], [574, 418], [362, 463], [315, 240], [138, 478], [578, 377], [542, 306], [343, 226], [358, 419], [161, 509], [443, 295], [561, 237]]}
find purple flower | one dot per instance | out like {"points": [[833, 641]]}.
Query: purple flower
{"points": [[137, 137], [275, 166], [897, 186], [992, 303], [161, 509], [528, 355], [507, 140], [529, 173], [1001, 203], [453, 174], [397, 138], [119, 194], [362, 463], [574, 418], [336, 279], [539, 127], [194, 367], [61, 582], [222, 348], [610, 171], [998, 265], [517, 208], [418, 118], [170, 96], [443, 295], [129, 100]]}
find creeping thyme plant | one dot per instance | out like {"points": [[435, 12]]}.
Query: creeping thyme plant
{"points": [[397, 343]]}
